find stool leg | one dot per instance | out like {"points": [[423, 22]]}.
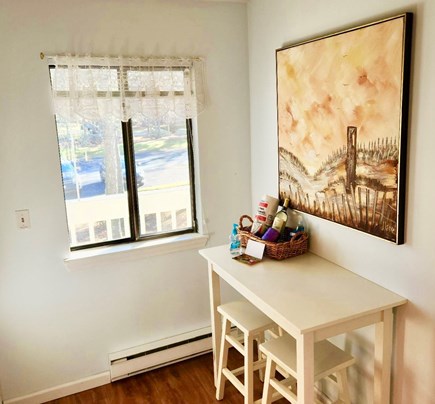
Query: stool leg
{"points": [[249, 369], [343, 386], [270, 373], [260, 339], [223, 359]]}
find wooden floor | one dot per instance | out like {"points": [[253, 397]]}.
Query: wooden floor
{"points": [[189, 382]]}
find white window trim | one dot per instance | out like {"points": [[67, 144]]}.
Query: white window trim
{"points": [[100, 256]]}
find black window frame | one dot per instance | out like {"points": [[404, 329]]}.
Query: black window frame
{"points": [[132, 191]]}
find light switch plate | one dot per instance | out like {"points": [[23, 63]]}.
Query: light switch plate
{"points": [[23, 219]]}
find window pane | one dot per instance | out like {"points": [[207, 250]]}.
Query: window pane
{"points": [[93, 173], [162, 169]]}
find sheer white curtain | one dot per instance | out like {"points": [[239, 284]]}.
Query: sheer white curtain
{"points": [[154, 89]]}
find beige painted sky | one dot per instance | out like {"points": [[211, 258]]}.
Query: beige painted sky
{"points": [[351, 79]]}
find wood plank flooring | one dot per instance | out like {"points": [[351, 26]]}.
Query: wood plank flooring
{"points": [[187, 382]]}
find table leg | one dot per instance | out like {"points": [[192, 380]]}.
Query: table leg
{"points": [[216, 324], [249, 369], [305, 368], [383, 353]]}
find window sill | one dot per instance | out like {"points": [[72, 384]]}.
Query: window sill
{"points": [[132, 251]]}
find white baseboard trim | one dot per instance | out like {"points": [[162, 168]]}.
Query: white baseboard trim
{"points": [[62, 390]]}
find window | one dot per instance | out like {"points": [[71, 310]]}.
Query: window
{"points": [[125, 145]]}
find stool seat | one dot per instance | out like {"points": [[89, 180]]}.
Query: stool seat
{"points": [[328, 360], [327, 357], [252, 323], [246, 317]]}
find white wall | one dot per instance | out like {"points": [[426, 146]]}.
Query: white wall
{"points": [[408, 269], [58, 326]]}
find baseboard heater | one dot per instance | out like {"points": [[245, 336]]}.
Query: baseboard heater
{"points": [[159, 353]]}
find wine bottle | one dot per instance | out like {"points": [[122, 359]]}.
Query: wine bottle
{"points": [[281, 217]]}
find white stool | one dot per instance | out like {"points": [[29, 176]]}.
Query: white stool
{"points": [[328, 360], [252, 323]]}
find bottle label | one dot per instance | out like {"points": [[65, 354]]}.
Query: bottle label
{"points": [[266, 209], [260, 218], [278, 224]]}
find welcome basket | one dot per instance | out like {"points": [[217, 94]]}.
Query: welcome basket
{"points": [[280, 250]]}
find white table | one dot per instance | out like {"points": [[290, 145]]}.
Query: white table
{"points": [[312, 299]]}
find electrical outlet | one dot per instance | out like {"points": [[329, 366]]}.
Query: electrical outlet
{"points": [[23, 219]]}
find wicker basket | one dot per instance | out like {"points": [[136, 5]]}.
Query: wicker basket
{"points": [[297, 245]]}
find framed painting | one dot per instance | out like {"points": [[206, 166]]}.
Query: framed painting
{"points": [[342, 106]]}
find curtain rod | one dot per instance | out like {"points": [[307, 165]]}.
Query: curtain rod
{"points": [[43, 56]]}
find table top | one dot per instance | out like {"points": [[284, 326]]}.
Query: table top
{"points": [[304, 293]]}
